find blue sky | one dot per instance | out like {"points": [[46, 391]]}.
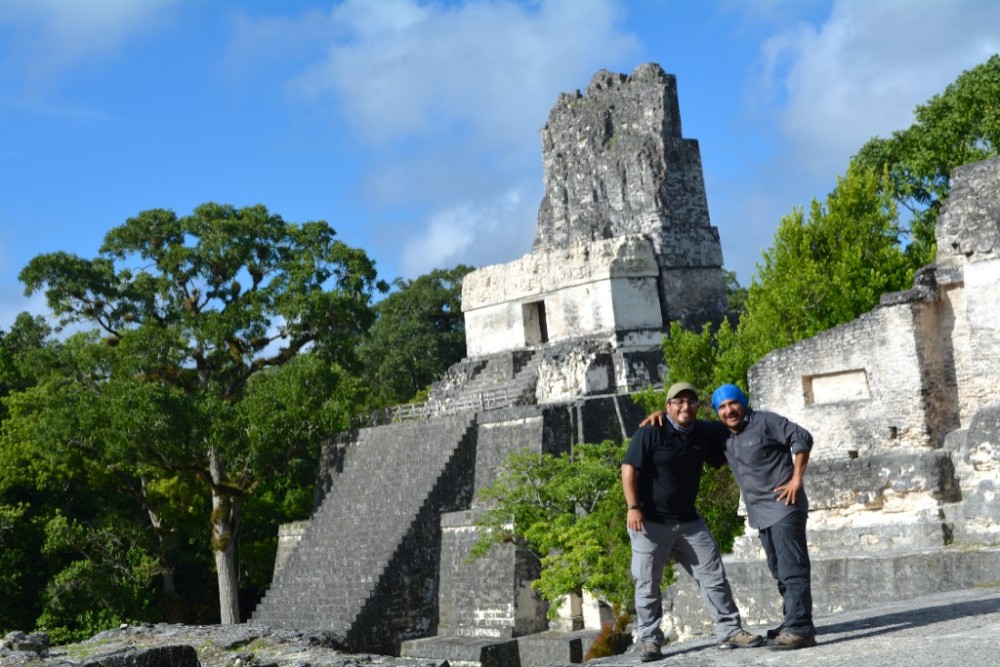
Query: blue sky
{"points": [[412, 127]]}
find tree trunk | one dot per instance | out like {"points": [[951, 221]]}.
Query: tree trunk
{"points": [[163, 553], [225, 521]]}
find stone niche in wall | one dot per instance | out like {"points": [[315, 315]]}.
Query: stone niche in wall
{"points": [[848, 385]]}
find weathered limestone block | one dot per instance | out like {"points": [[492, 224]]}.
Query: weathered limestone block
{"points": [[968, 229], [980, 317], [976, 452], [881, 502], [867, 386], [616, 164], [289, 536], [876, 481], [560, 294]]}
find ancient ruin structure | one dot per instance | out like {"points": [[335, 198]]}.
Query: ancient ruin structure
{"points": [[623, 245], [556, 340], [903, 482], [904, 477]]}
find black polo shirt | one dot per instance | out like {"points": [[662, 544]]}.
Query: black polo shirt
{"points": [[669, 466]]}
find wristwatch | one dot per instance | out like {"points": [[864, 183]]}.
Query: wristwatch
{"points": [[634, 507]]}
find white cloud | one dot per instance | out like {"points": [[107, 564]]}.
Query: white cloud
{"points": [[405, 69], [447, 101], [45, 38], [470, 233], [821, 91], [868, 66]]}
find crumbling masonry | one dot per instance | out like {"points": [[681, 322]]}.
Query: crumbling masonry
{"points": [[903, 481], [556, 341], [904, 478]]}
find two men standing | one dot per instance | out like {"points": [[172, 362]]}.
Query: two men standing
{"points": [[660, 477]]}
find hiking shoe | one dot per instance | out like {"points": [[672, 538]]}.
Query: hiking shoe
{"points": [[774, 632], [650, 652], [786, 641], [740, 639]]}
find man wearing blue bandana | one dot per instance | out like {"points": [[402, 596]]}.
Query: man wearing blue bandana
{"points": [[768, 455], [660, 476]]}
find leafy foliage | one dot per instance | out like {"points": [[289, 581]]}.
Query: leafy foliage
{"points": [[107, 581], [419, 333], [567, 509], [959, 126], [205, 319], [828, 268], [820, 271]]}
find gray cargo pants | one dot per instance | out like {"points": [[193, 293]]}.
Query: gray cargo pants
{"points": [[693, 547]]}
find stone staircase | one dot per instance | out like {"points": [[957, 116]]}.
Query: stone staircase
{"points": [[515, 372], [367, 566]]}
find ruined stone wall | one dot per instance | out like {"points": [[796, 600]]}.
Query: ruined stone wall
{"points": [[624, 202], [904, 405], [857, 387], [587, 289], [968, 243], [923, 362], [981, 358]]}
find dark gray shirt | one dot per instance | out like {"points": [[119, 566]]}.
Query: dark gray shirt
{"points": [[761, 458]]}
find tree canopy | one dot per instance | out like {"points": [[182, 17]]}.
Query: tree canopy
{"points": [[418, 334], [956, 127], [212, 324]]}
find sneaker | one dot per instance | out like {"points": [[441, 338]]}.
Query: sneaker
{"points": [[786, 641], [774, 632], [740, 639], [650, 652]]}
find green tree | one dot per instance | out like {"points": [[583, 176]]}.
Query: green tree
{"points": [[71, 436], [736, 295], [828, 268], [22, 352], [195, 308], [820, 271], [566, 509], [419, 333], [958, 126]]}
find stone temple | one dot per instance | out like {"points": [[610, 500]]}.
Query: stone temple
{"points": [[904, 479], [556, 341]]}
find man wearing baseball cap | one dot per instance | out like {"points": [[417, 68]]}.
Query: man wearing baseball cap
{"points": [[660, 476]]}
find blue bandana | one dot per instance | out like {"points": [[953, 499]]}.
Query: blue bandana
{"points": [[729, 392]]}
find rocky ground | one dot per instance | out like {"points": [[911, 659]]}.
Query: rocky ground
{"points": [[959, 627], [214, 646]]}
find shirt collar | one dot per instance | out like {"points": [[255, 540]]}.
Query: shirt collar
{"points": [[678, 427]]}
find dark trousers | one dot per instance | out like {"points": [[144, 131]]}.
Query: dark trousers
{"points": [[787, 558]]}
